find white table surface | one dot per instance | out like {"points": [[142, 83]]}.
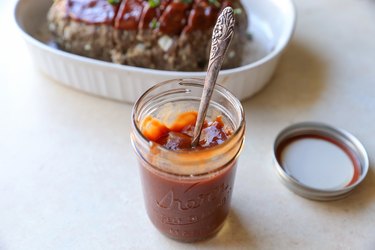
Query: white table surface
{"points": [[69, 178]]}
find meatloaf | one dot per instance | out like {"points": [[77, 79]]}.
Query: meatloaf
{"points": [[157, 34]]}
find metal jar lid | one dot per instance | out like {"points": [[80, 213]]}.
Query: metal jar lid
{"points": [[318, 161]]}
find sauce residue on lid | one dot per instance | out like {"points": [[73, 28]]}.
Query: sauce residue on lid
{"points": [[318, 162]]}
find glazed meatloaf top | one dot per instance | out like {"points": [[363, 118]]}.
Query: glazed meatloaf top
{"points": [[166, 16], [131, 30]]}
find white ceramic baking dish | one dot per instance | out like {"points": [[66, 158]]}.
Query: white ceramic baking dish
{"points": [[272, 24]]}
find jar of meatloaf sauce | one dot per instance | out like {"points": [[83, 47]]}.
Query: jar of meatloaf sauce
{"points": [[187, 191]]}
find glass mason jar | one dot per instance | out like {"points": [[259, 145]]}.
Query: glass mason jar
{"points": [[187, 193]]}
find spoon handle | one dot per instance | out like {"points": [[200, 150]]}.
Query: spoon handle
{"points": [[221, 37]]}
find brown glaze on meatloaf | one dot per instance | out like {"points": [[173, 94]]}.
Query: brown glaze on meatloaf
{"points": [[171, 35]]}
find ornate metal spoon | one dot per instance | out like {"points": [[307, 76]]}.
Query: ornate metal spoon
{"points": [[221, 38]]}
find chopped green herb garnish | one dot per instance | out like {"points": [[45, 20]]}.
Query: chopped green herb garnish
{"points": [[114, 1], [249, 36], [154, 3], [187, 1], [154, 24], [237, 11], [214, 2]]}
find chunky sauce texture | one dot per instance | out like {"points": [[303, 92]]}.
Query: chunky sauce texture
{"points": [[179, 135], [171, 17]]}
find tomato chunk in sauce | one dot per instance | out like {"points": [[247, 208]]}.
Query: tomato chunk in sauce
{"points": [[179, 135]]}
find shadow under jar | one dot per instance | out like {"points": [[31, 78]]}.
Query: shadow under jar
{"points": [[187, 193]]}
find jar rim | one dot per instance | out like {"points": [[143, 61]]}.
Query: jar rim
{"points": [[238, 132]]}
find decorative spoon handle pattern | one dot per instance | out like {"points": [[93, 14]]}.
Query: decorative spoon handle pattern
{"points": [[221, 37]]}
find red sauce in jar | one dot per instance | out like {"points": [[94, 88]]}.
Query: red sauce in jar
{"points": [[187, 209]]}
